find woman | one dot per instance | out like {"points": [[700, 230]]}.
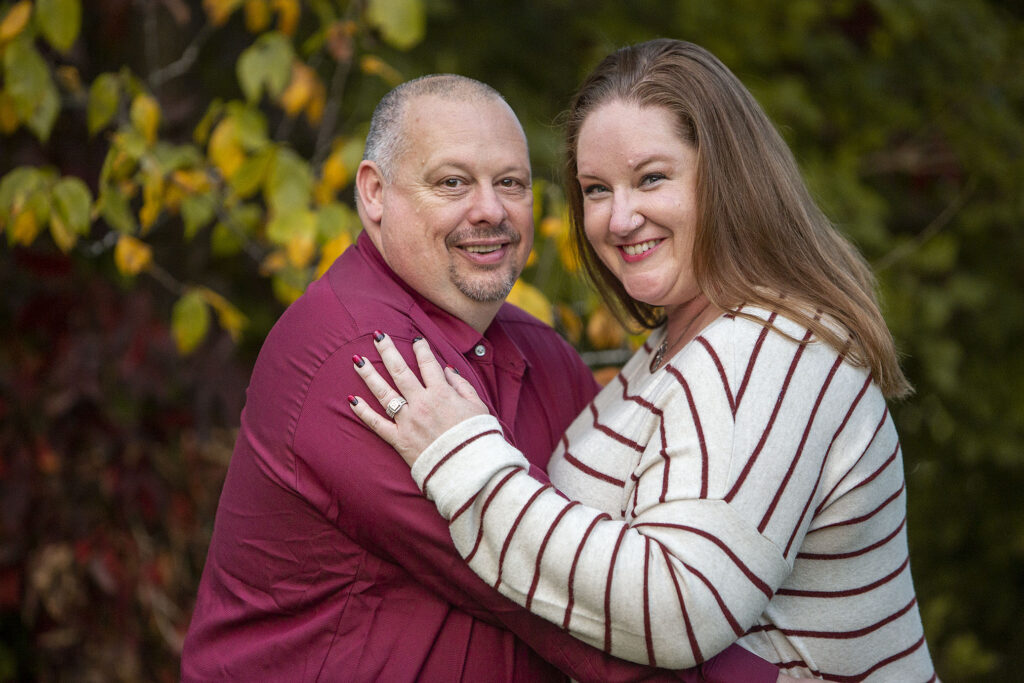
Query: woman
{"points": [[741, 478]]}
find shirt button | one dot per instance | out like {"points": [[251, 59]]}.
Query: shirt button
{"points": [[480, 350]]}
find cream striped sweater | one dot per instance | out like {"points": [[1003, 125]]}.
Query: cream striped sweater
{"points": [[751, 489]]}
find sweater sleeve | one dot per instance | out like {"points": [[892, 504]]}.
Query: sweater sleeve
{"points": [[714, 510]]}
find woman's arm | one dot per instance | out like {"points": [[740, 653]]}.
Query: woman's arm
{"points": [[681, 581]]}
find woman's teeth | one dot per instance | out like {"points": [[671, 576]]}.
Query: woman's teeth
{"points": [[635, 249]]}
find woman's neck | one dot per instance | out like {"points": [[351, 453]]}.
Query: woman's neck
{"points": [[686, 320]]}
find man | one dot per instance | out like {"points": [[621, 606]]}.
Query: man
{"points": [[326, 562]]}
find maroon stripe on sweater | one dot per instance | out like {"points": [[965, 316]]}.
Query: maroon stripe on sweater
{"points": [[543, 547], [483, 511], [751, 576], [455, 450], [608, 591], [735, 625], [771, 421], [885, 662], [695, 417], [867, 447], [590, 471], [800, 449], [850, 591], [690, 635], [572, 570], [753, 359], [612, 434], [648, 638], [824, 460], [721, 372], [837, 635], [469, 503], [867, 515], [854, 553], [512, 531]]}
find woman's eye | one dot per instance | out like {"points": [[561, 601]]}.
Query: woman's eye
{"points": [[591, 190], [650, 178]]}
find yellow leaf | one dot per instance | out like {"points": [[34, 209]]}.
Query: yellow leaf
{"points": [[192, 181], [552, 227], [300, 250], [145, 115], [375, 66], [603, 330], [287, 15], [296, 96], [132, 255], [532, 258], [229, 317], [334, 176], [531, 300], [24, 228], [63, 236], [220, 11], [570, 322], [317, 102], [8, 114], [257, 15], [274, 261], [331, 251], [224, 149], [152, 199], [15, 21]]}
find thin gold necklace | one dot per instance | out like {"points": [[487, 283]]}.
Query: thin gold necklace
{"points": [[663, 347]]}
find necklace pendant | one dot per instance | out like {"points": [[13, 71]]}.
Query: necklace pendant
{"points": [[659, 356]]}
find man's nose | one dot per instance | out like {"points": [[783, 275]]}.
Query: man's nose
{"points": [[487, 206]]}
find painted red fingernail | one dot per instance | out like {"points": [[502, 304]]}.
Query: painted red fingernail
{"points": [[378, 335], [352, 399], [358, 361], [453, 370], [416, 339]]}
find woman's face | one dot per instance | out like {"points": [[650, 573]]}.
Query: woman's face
{"points": [[639, 180]]}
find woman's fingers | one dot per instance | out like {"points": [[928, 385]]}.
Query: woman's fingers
{"points": [[405, 380], [385, 429], [430, 369], [377, 385], [462, 387]]}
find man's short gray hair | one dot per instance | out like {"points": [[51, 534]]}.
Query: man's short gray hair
{"points": [[386, 140]]}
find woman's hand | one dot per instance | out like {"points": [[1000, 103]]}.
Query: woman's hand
{"points": [[429, 411]]}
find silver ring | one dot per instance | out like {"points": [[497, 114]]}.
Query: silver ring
{"points": [[394, 405]]}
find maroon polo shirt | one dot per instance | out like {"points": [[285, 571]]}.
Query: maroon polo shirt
{"points": [[326, 562]]}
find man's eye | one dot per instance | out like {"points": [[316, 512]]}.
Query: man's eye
{"points": [[510, 182], [452, 182]]}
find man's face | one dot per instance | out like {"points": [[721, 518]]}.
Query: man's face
{"points": [[457, 219]]}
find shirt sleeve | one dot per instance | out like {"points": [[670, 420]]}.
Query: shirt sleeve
{"points": [[718, 506], [366, 489]]}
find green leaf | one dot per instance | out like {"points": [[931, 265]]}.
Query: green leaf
{"points": [[335, 218], [59, 21], [35, 97], [291, 225], [104, 94], [71, 204], [115, 210], [251, 174], [196, 213], [266, 65], [228, 236], [402, 23], [190, 321], [15, 188], [290, 183]]}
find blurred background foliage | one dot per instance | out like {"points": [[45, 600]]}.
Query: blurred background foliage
{"points": [[174, 173]]}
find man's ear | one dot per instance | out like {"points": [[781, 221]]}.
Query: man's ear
{"points": [[370, 185]]}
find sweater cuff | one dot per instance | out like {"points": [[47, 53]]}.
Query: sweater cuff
{"points": [[460, 462]]}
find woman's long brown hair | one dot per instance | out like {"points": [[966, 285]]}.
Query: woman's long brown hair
{"points": [[760, 238]]}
